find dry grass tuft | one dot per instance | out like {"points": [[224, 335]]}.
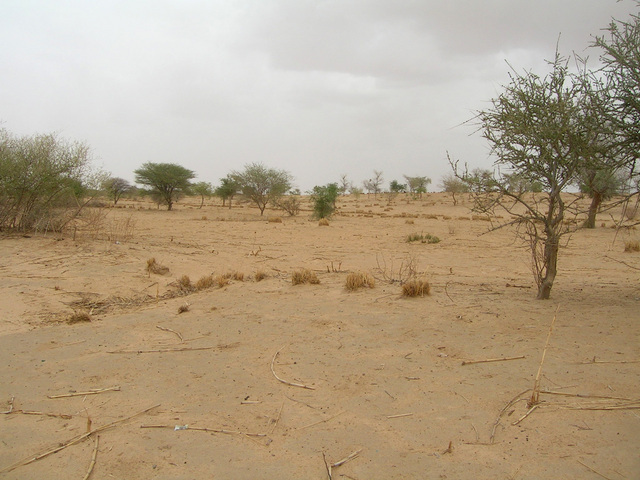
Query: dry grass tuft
{"points": [[304, 276], [358, 280], [221, 281], [205, 282], [409, 221], [632, 246], [323, 222], [416, 288], [78, 317], [423, 238], [274, 219], [155, 267], [185, 285], [183, 308], [260, 275]]}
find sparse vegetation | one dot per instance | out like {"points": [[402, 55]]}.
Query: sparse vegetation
{"points": [[416, 288], [183, 308], [632, 246], [185, 285], [78, 317], [274, 219], [323, 222], [358, 280], [260, 275], [422, 238], [205, 282], [262, 185], [323, 200], [154, 267], [305, 275], [167, 181]]}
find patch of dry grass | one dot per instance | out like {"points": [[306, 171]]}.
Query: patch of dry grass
{"points": [[78, 317], [185, 285], [416, 288], [205, 282], [356, 280], [154, 267], [260, 275], [632, 246], [304, 275], [274, 219], [323, 222]]}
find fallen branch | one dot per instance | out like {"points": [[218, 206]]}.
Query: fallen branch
{"points": [[594, 471], [93, 391], [73, 441], [300, 385], [489, 360], [582, 395], [511, 402], [93, 459], [400, 415], [54, 415], [526, 414], [10, 406], [164, 350], [346, 459], [594, 361], [172, 331]]}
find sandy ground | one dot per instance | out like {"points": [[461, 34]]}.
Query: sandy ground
{"points": [[381, 375]]}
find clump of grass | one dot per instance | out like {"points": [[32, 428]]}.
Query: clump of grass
{"points": [[205, 282], [274, 219], [358, 280], [323, 222], [221, 281], [304, 276], [416, 288], [632, 246], [260, 275], [423, 238], [409, 221], [183, 308], [185, 285], [155, 267], [239, 276], [78, 317]]}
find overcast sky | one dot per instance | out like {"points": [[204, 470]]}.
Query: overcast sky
{"points": [[319, 88]]}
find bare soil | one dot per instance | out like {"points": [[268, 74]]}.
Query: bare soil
{"points": [[265, 379]]}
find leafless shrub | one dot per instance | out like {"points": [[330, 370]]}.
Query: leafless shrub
{"points": [[408, 269], [221, 281], [185, 285]]}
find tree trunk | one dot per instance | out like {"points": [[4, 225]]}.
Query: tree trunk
{"points": [[593, 210], [551, 246], [169, 205], [202, 201]]}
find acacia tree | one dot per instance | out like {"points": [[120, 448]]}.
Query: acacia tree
{"points": [[262, 185], [374, 185], [204, 189], [226, 190], [116, 187], [167, 181], [453, 185], [417, 185], [542, 129]]}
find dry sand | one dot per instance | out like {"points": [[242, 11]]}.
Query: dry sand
{"points": [[384, 374]]}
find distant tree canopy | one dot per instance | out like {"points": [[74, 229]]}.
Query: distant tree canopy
{"points": [[204, 189], [262, 185], [324, 200], [227, 190], [417, 185], [115, 187], [374, 185], [397, 187], [41, 177], [454, 186], [167, 181]]}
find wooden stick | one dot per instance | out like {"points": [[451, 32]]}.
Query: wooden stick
{"points": [[93, 459], [591, 362], [594, 471], [172, 331], [489, 360], [93, 391], [346, 459], [400, 415], [285, 381], [163, 350], [206, 429], [55, 415], [582, 395], [327, 466], [535, 394], [73, 441], [321, 421]]}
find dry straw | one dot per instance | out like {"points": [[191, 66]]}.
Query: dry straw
{"points": [[304, 275], [275, 219], [155, 267], [632, 246], [323, 222], [416, 288], [260, 275], [358, 280], [78, 317]]}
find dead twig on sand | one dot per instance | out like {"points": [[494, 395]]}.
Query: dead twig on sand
{"points": [[489, 360], [93, 391], [275, 423], [400, 415], [600, 362], [594, 471], [330, 466], [535, 394], [164, 350], [321, 421], [526, 414], [327, 466], [44, 414], [165, 329], [73, 441], [293, 384], [93, 459], [206, 429], [511, 402], [10, 406]]}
